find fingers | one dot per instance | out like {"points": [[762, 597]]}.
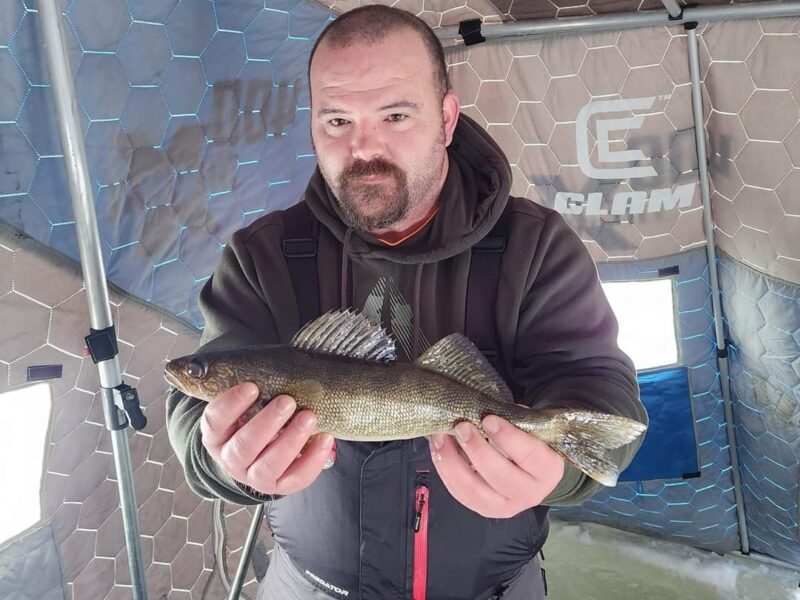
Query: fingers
{"points": [[276, 455], [500, 473], [458, 476], [270, 452], [533, 456], [303, 471], [250, 439], [220, 417], [498, 477]]}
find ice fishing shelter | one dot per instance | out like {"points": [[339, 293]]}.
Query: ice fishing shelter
{"points": [[194, 118]]}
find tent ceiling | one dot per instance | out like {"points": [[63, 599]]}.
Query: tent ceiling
{"points": [[557, 9], [436, 13], [444, 13]]}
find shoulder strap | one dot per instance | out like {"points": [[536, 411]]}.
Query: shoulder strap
{"points": [[484, 277], [300, 230]]}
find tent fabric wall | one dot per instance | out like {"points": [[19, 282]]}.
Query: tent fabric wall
{"points": [[762, 322], [751, 97], [436, 13], [545, 9], [753, 121], [529, 94], [44, 310], [698, 511], [197, 100], [30, 568]]}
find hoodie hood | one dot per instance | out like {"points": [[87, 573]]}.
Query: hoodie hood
{"points": [[473, 197]]}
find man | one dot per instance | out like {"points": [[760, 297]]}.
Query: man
{"points": [[406, 186]]}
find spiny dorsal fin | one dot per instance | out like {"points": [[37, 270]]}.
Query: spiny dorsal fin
{"points": [[456, 357], [346, 333]]}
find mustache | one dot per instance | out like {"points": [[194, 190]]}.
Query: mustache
{"points": [[362, 168]]}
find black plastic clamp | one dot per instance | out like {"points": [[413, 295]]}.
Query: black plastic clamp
{"points": [[470, 32], [102, 344], [130, 402], [689, 24], [678, 17]]}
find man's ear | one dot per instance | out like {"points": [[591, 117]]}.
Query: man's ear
{"points": [[451, 108]]}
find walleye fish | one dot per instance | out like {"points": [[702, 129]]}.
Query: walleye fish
{"points": [[344, 368]]}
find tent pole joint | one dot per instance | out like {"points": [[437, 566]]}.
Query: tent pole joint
{"points": [[688, 25]]}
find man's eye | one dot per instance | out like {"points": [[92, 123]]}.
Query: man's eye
{"points": [[337, 122], [397, 117]]}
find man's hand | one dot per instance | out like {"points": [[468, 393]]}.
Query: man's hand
{"points": [[512, 473], [257, 453]]}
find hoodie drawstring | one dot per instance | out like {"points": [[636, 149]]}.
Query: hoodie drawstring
{"points": [[345, 261], [415, 308]]}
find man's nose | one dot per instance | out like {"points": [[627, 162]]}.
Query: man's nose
{"points": [[367, 144]]}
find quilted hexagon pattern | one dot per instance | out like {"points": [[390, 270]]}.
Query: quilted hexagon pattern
{"points": [[761, 316], [698, 511], [175, 97], [44, 293]]}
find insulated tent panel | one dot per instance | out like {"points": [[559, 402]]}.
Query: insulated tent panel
{"points": [[80, 548], [38, 576], [195, 121], [762, 315], [556, 99], [699, 510]]}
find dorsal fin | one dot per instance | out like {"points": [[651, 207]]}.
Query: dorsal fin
{"points": [[456, 357], [346, 333]]}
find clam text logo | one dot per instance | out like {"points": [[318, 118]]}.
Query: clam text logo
{"points": [[626, 202]]}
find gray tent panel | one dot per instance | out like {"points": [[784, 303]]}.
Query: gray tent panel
{"points": [[30, 568], [698, 511], [762, 316]]}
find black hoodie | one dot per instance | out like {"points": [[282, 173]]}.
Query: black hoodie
{"points": [[556, 343]]}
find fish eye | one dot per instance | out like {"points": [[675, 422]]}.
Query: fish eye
{"points": [[197, 368]]}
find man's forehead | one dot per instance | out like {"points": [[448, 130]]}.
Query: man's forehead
{"points": [[401, 54]]}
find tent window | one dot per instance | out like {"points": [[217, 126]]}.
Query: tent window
{"points": [[24, 429], [646, 312]]}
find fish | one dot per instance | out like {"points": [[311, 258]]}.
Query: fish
{"points": [[344, 368]]}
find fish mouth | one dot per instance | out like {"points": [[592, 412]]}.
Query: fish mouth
{"points": [[173, 380]]}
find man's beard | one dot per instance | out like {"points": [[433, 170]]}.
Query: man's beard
{"points": [[355, 196], [390, 199]]}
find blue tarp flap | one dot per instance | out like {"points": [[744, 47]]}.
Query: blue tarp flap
{"points": [[669, 450]]}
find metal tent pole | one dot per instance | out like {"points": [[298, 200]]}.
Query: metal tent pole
{"points": [[672, 6], [120, 404], [722, 350], [241, 569], [632, 20]]}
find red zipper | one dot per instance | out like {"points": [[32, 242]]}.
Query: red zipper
{"points": [[421, 504]]}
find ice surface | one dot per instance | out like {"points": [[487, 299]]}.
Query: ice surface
{"points": [[592, 562]]}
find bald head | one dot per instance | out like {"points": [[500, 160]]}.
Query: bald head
{"points": [[373, 24]]}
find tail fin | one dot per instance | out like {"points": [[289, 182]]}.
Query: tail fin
{"points": [[584, 438]]}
